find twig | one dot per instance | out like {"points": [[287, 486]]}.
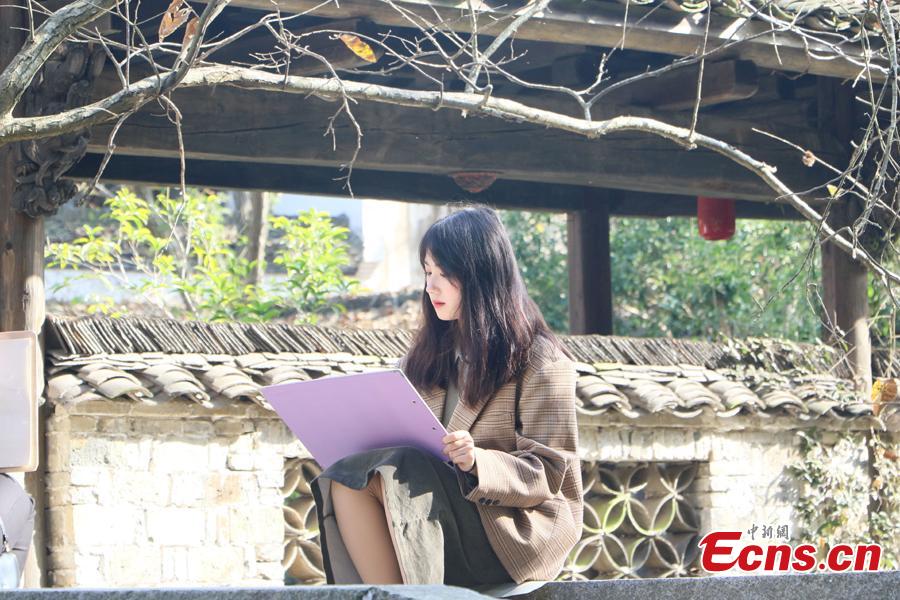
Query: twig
{"points": [[696, 111]]}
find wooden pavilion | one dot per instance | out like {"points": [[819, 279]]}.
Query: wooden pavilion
{"points": [[766, 77], [260, 140]]}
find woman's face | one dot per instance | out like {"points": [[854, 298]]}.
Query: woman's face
{"points": [[445, 295]]}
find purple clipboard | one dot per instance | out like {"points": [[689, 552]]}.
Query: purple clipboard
{"points": [[334, 417]]}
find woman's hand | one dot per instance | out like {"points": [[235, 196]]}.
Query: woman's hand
{"points": [[460, 448]]}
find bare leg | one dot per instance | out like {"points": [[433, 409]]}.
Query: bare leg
{"points": [[361, 519]]}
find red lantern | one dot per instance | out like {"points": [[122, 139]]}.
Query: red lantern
{"points": [[715, 218]]}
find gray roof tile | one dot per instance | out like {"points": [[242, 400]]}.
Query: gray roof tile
{"points": [[137, 359]]}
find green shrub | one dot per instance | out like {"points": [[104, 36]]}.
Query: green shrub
{"points": [[668, 281], [186, 247]]}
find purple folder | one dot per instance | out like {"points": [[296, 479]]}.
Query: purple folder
{"points": [[337, 416]]}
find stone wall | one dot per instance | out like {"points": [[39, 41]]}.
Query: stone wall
{"points": [[741, 479], [154, 495], [177, 494]]}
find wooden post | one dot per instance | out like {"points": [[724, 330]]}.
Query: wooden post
{"points": [[845, 286], [21, 270], [590, 279], [844, 281]]}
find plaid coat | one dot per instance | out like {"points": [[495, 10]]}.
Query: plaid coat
{"points": [[528, 489]]}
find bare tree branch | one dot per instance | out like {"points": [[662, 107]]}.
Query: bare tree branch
{"points": [[331, 89]]}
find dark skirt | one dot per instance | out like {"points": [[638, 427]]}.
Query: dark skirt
{"points": [[437, 533]]}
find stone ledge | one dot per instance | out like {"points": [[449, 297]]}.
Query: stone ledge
{"points": [[820, 586], [356, 592]]}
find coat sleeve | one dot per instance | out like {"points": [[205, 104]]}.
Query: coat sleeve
{"points": [[546, 445]]}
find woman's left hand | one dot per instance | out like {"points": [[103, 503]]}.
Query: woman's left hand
{"points": [[460, 448]]}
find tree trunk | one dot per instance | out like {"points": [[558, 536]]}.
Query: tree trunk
{"points": [[253, 213]]}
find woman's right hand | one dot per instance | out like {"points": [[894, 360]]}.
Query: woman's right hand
{"points": [[460, 448]]}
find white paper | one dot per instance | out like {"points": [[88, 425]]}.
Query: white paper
{"points": [[18, 402]]}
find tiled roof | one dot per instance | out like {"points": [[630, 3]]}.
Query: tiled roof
{"points": [[159, 360]]}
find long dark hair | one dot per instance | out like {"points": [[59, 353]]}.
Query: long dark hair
{"points": [[499, 325]]}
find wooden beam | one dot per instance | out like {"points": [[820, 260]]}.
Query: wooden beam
{"points": [[726, 81], [590, 272], [408, 187], [327, 181], [287, 129], [602, 24]]}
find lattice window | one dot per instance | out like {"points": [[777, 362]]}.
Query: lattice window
{"points": [[637, 522], [302, 559]]}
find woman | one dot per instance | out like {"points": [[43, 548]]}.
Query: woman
{"points": [[507, 504]]}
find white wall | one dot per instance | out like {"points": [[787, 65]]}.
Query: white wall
{"points": [[391, 234]]}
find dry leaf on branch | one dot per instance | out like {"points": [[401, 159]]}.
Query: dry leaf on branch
{"points": [[359, 47], [809, 159], [883, 391], [174, 17], [190, 31]]}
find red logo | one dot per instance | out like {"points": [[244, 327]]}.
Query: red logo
{"points": [[722, 552]]}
